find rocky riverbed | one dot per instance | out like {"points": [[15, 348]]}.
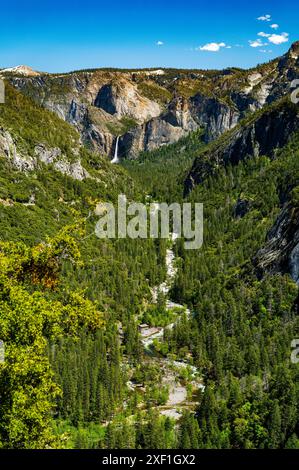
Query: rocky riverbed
{"points": [[172, 369]]}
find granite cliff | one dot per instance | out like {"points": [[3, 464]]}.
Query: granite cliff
{"points": [[150, 108]]}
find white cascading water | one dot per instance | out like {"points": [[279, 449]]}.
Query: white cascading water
{"points": [[115, 158]]}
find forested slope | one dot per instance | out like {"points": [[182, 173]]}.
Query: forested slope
{"points": [[245, 314], [44, 209], [75, 372]]}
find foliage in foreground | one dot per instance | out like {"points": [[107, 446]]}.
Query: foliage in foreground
{"points": [[28, 319]]}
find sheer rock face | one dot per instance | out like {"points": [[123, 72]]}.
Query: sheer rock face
{"points": [[212, 115], [149, 136], [175, 123], [263, 136], [281, 252], [163, 106], [122, 99]]}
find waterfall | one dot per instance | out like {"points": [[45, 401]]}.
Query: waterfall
{"points": [[115, 158]]}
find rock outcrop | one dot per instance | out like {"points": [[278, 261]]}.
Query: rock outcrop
{"points": [[264, 134], [281, 251], [49, 156], [8, 149], [54, 156]]}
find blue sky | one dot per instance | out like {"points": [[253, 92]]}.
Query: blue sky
{"points": [[57, 36]]}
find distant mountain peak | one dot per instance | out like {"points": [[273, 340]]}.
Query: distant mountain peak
{"points": [[21, 70]]}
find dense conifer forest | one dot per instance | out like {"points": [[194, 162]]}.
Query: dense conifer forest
{"points": [[76, 372]]}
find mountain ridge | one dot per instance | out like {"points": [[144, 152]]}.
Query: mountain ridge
{"points": [[148, 110]]}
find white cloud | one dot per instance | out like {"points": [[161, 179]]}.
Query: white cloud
{"points": [[274, 26], [265, 51], [278, 38], [263, 35], [264, 18], [228, 47], [256, 43], [159, 43], [212, 46]]}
